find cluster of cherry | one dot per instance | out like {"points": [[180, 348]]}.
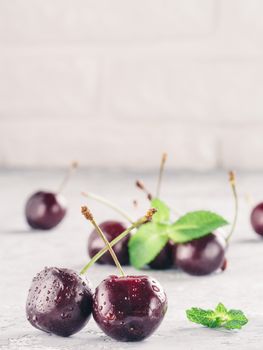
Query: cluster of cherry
{"points": [[60, 301]]}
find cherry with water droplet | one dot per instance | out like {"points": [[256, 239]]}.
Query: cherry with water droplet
{"points": [[59, 302], [129, 308]]}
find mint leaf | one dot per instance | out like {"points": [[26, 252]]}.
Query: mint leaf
{"points": [[146, 243], [220, 317], [163, 211], [194, 225], [221, 308], [238, 319], [205, 317]]}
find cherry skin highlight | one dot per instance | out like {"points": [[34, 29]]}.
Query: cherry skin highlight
{"points": [[111, 230], [164, 260], [201, 256], [256, 219], [129, 308], [45, 210], [59, 302]]}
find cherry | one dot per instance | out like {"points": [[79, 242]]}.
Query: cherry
{"points": [[45, 210], [129, 308], [206, 255], [256, 219], [111, 230], [126, 308], [59, 302], [201, 256], [164, 260]]}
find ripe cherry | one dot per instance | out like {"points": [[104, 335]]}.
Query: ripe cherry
{"points": [[45, 210], [256, 219], [201, 256], [111, 230], [206, 255], [59, 302], [165, 259], [129, 308]]}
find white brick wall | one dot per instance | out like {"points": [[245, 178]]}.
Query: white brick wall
{"points": [[115, 83]]}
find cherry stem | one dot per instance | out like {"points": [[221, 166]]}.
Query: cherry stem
{"points": [[68, 175], [88, 215], [108, 204], [141, 186], [138, 223], [160, 176], [232, 180]]}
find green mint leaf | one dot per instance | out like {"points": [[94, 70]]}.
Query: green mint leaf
{"points": [[220, 317], [205, 317], [163, 211], [194, 225], [238, 316], [221, 308], [146, 243]]}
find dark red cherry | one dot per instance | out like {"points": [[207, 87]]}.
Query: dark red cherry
{"points": [[129, 308], [201, 256], [45, 210], [164, 260], [59, 302], [111, 230], [256, 219]]}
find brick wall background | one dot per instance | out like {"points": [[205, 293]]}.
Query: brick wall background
{"points": [[114, 83]]}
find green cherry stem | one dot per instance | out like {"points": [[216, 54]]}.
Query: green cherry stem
{"points": [[160, 176], [108, 204], [232, 180], [69, 173], [88, 215], [138, 223]]}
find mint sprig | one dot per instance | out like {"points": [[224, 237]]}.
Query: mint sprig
{"points": [[151, 238], [218, 318]]}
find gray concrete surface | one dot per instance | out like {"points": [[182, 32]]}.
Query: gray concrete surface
{"points": [[24, 253]]}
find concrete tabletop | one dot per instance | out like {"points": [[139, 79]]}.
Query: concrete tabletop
{"points": [[23, 253]]}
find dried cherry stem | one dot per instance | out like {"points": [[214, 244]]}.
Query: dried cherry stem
{"points": [[142, 187], [232, 181], [160, 176], [138, 223], [88, 215], [108, 204], [69, 173]]}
